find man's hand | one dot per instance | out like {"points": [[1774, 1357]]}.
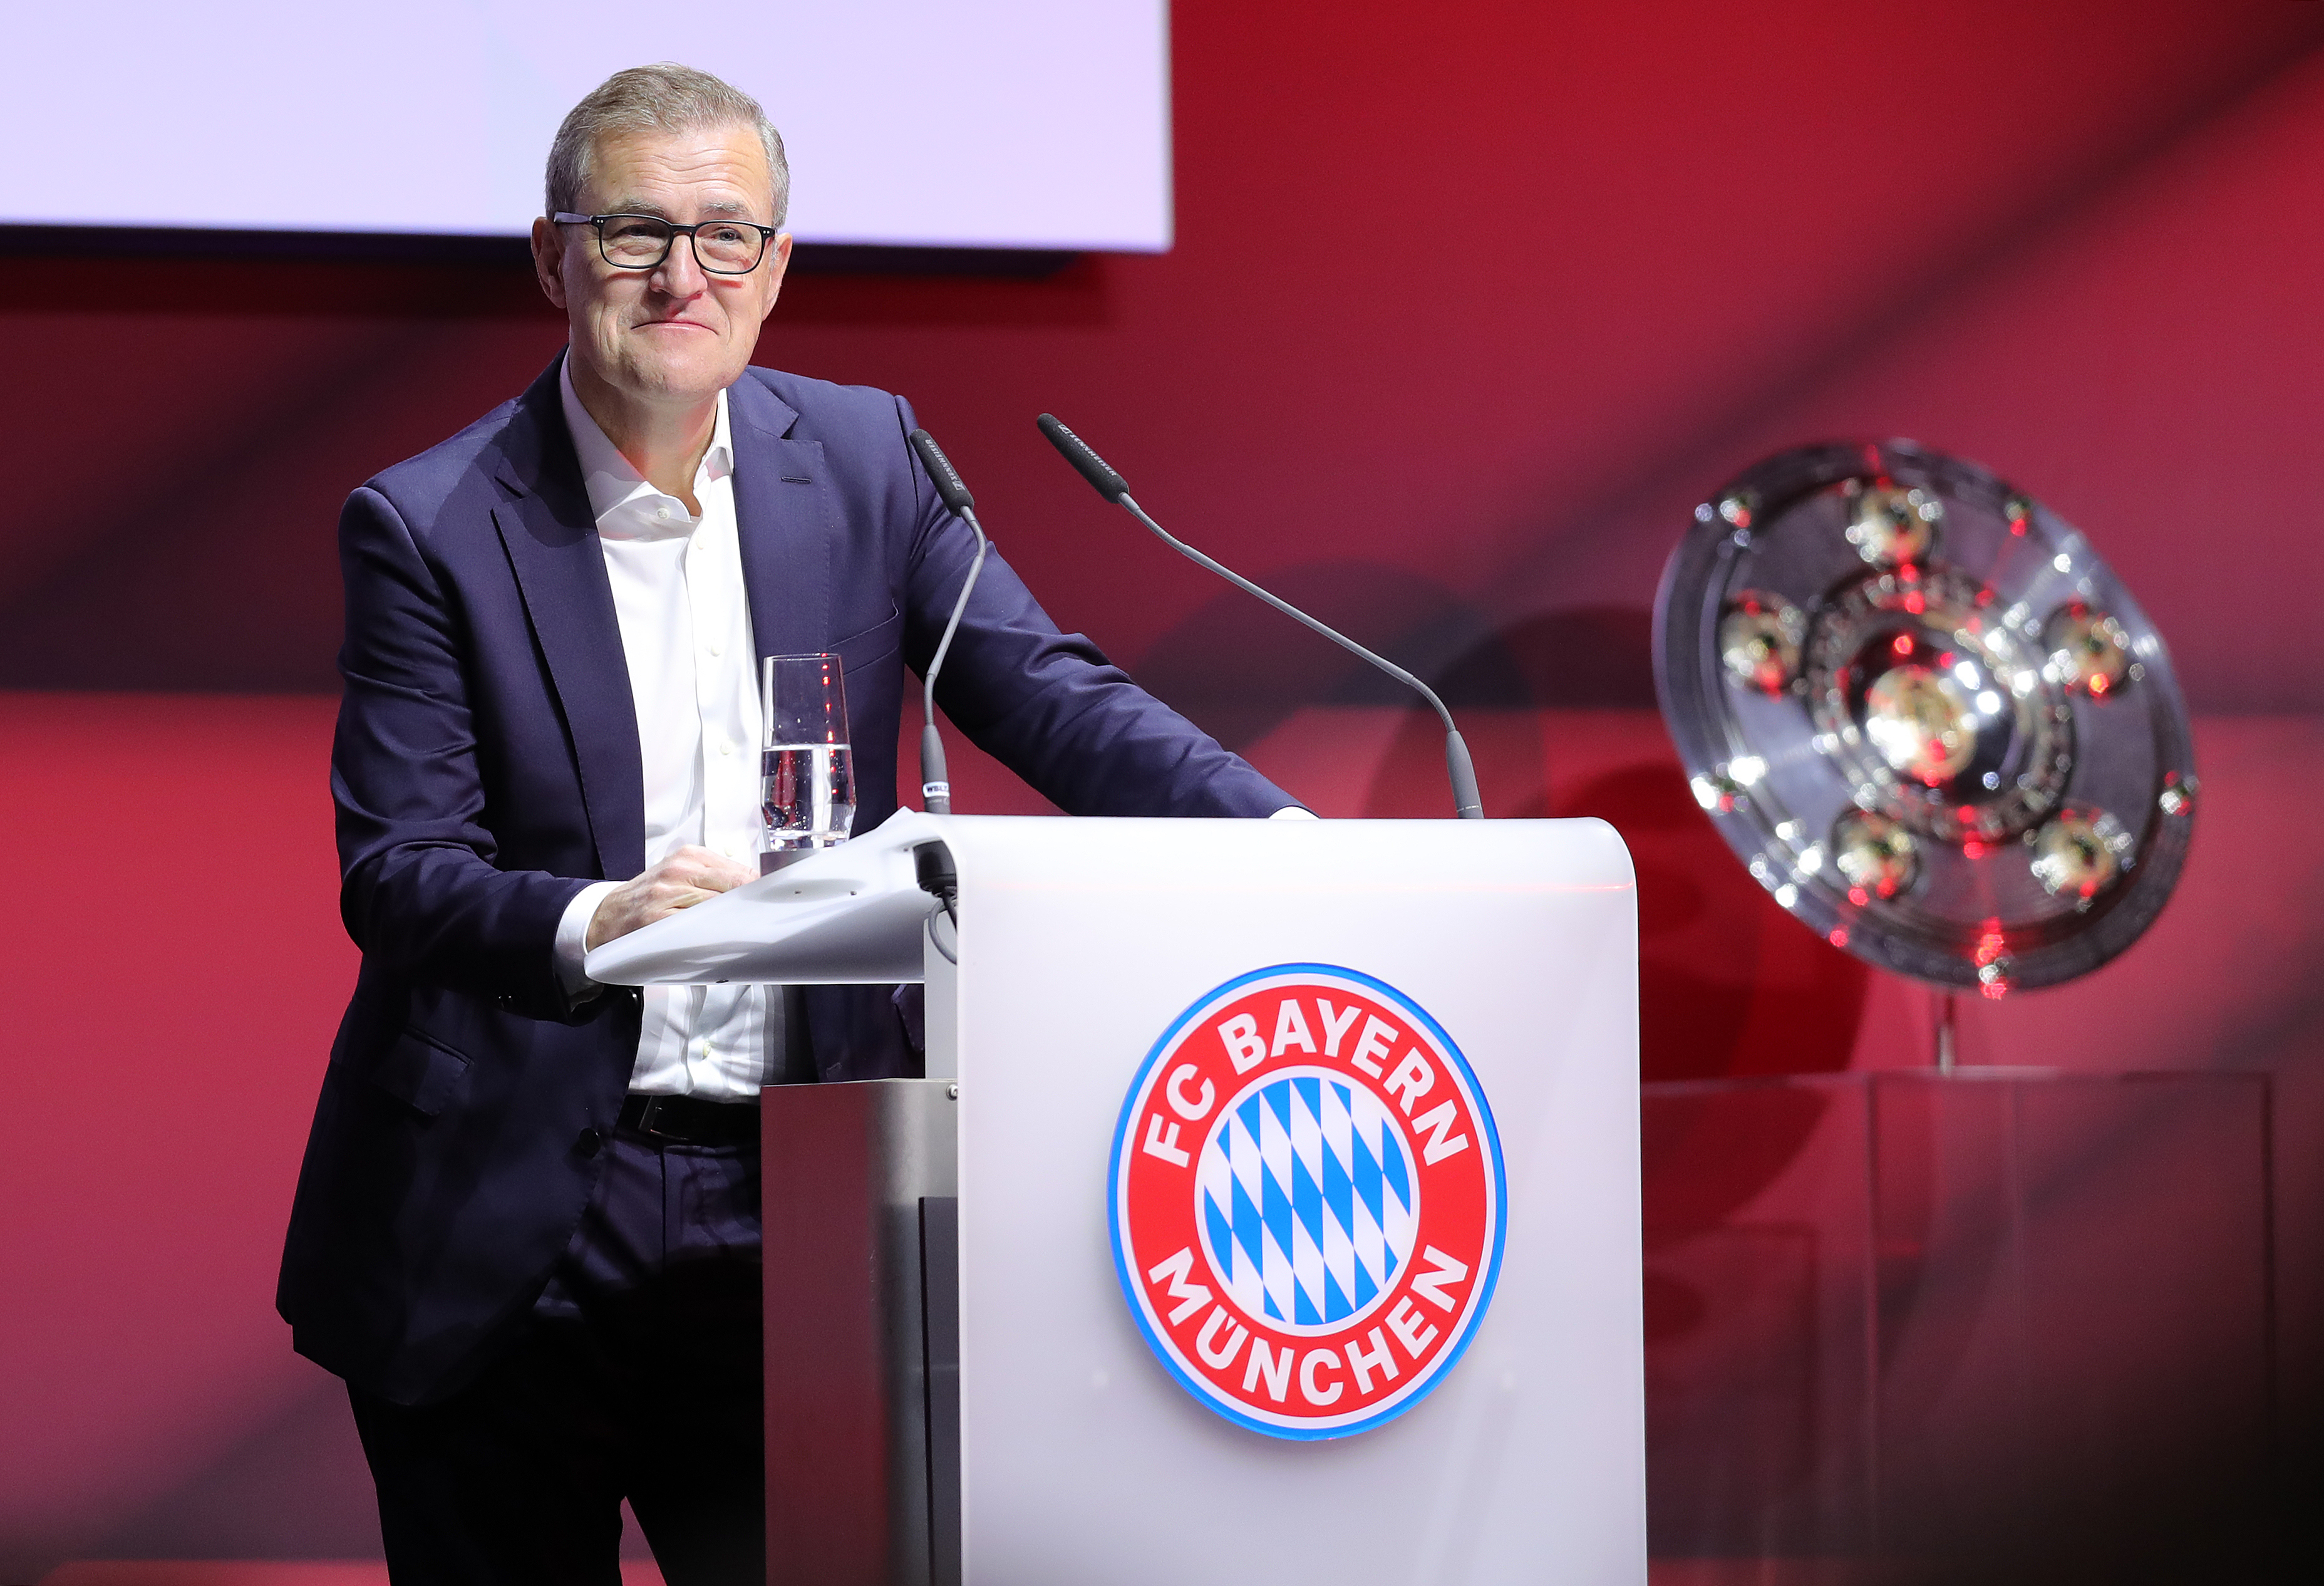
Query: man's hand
{"points": [[685, 879]]}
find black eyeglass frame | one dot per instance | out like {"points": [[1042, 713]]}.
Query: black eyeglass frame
{"points": [[767, 234]]}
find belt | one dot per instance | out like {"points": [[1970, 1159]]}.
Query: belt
{"points": [[689, 1120]]}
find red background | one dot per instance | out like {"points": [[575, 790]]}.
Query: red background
{"points": [[1469, 306]]}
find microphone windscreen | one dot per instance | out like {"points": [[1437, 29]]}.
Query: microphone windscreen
{"points": [[1087, 462], [946, 478]]}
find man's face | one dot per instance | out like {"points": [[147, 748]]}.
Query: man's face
{"points": [[672, 335]]}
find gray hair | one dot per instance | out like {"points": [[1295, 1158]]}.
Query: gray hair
{"points": [[665, 97]]}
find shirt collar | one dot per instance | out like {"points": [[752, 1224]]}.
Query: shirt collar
{"points": [[613, 484]]}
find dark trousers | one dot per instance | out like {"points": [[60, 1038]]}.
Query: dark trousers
{"points": [[638, 1376]]}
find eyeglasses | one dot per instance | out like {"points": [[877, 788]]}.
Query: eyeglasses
{"points": [[642, 242]]}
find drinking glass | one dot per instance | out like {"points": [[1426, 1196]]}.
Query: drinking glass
{"points": [[807, 775]]}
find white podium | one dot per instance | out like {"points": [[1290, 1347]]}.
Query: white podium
{"points": [[1297, 1229]]}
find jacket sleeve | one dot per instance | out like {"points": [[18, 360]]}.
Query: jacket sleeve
{"points": [[419, 890], [1047, 705]]}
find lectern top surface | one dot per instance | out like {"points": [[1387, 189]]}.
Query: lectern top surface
{"points": [[853, 914]]}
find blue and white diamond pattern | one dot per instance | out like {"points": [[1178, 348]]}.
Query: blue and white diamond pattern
{"points": [[1307, 1199]]}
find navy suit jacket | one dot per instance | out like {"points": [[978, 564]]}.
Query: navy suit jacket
{"points": [[486, 766]]}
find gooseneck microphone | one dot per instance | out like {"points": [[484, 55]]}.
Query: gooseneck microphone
{"points": [[936, 792], [1114, 488]]}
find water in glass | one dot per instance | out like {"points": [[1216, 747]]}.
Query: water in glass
{"points": [[809, 793]]}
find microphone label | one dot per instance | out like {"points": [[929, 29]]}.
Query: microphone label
{"points": [[1306, 1202]]}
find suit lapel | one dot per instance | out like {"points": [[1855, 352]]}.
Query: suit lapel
{"points": [[783, 517], [551, 540]]}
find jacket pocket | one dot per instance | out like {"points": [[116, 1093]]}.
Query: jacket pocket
{"points": [[420, 1073], [875, 644]]}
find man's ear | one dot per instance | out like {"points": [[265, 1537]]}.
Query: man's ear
{"points": [[549, 259], [779, 259]]}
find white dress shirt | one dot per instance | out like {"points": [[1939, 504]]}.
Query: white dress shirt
{"points": [[685, 635]]}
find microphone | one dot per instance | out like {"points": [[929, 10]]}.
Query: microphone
{"points": [[936, 792], [1114, 488]]}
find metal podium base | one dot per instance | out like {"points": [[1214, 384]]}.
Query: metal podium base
{"points": [[863, 1332]]}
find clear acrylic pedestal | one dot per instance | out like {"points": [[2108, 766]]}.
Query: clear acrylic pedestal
{"points": [[1900, 1325]]}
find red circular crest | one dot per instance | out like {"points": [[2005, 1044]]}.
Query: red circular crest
{"points": [[1306, 1201]]}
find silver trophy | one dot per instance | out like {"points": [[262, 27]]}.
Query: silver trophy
{"points": [[1925, 716]]}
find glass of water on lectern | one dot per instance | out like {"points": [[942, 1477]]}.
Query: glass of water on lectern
{"points": [[807, 778]]}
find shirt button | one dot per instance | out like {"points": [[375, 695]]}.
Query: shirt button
{"points": [[717, 647], [725, 746]]}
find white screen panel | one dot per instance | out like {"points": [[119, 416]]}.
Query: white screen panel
{"points": [[1028, 124]]}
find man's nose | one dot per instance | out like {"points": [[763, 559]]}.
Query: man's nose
{"points": [[681, 273]]}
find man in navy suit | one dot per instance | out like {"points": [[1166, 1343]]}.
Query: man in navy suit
{"points": [[526, 1230]]}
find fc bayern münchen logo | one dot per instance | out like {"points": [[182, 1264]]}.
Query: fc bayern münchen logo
{"points": [[1306, 1201]]}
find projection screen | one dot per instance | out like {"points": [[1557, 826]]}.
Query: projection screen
{"points": [[1013, 123]]}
